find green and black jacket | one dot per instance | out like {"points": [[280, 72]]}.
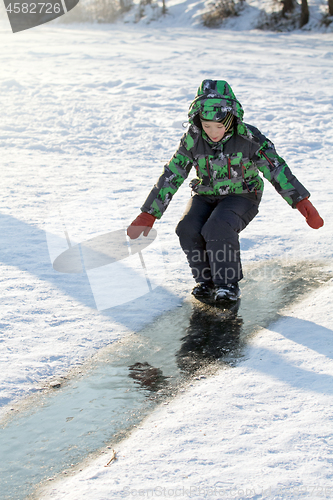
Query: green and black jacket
{"points": [[230, 166]]}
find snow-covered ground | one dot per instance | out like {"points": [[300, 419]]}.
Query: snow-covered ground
{"points": [[95, 112]]}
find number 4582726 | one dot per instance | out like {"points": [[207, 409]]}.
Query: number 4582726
{"points": [[34, 8]]}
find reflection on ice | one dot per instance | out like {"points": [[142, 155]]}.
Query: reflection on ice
{"points": [[213, 333]]}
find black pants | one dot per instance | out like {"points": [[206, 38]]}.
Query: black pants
{"points": [[208, 234]]}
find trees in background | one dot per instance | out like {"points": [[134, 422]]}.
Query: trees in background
{"points": [[304, 13], [289, 7], [108, 11], [293, 15], [330, 7], [286, 15], [219, 10]]}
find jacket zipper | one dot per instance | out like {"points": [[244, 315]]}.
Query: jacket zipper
{"points": [[243, 170], [208, 168], [229, 168]]}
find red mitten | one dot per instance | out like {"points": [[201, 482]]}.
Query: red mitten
{"points": [[310, 213], [142, 224]]}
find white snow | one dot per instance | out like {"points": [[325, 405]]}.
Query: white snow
{"points": [[91, 109]]}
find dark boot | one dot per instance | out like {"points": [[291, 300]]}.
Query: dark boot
{"points": [[203, 289]]}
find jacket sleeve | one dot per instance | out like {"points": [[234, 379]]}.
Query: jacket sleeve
{"points": [[174, 174], [277, 172]]}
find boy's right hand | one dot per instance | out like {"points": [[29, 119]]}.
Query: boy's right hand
{"points": [[311, 215], [142, 224]]}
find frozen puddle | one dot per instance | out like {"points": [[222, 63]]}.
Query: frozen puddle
{"points": [[126, 380]]}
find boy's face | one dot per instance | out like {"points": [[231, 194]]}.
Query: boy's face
{"points": [[214, 130]]}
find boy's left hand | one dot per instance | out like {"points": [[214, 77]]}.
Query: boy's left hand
{"points": [[142, 224], [310, 213]]}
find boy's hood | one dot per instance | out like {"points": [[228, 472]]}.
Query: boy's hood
{"points": [[214, 98]]}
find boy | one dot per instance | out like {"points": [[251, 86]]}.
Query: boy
{"points": [[227, 155]]}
